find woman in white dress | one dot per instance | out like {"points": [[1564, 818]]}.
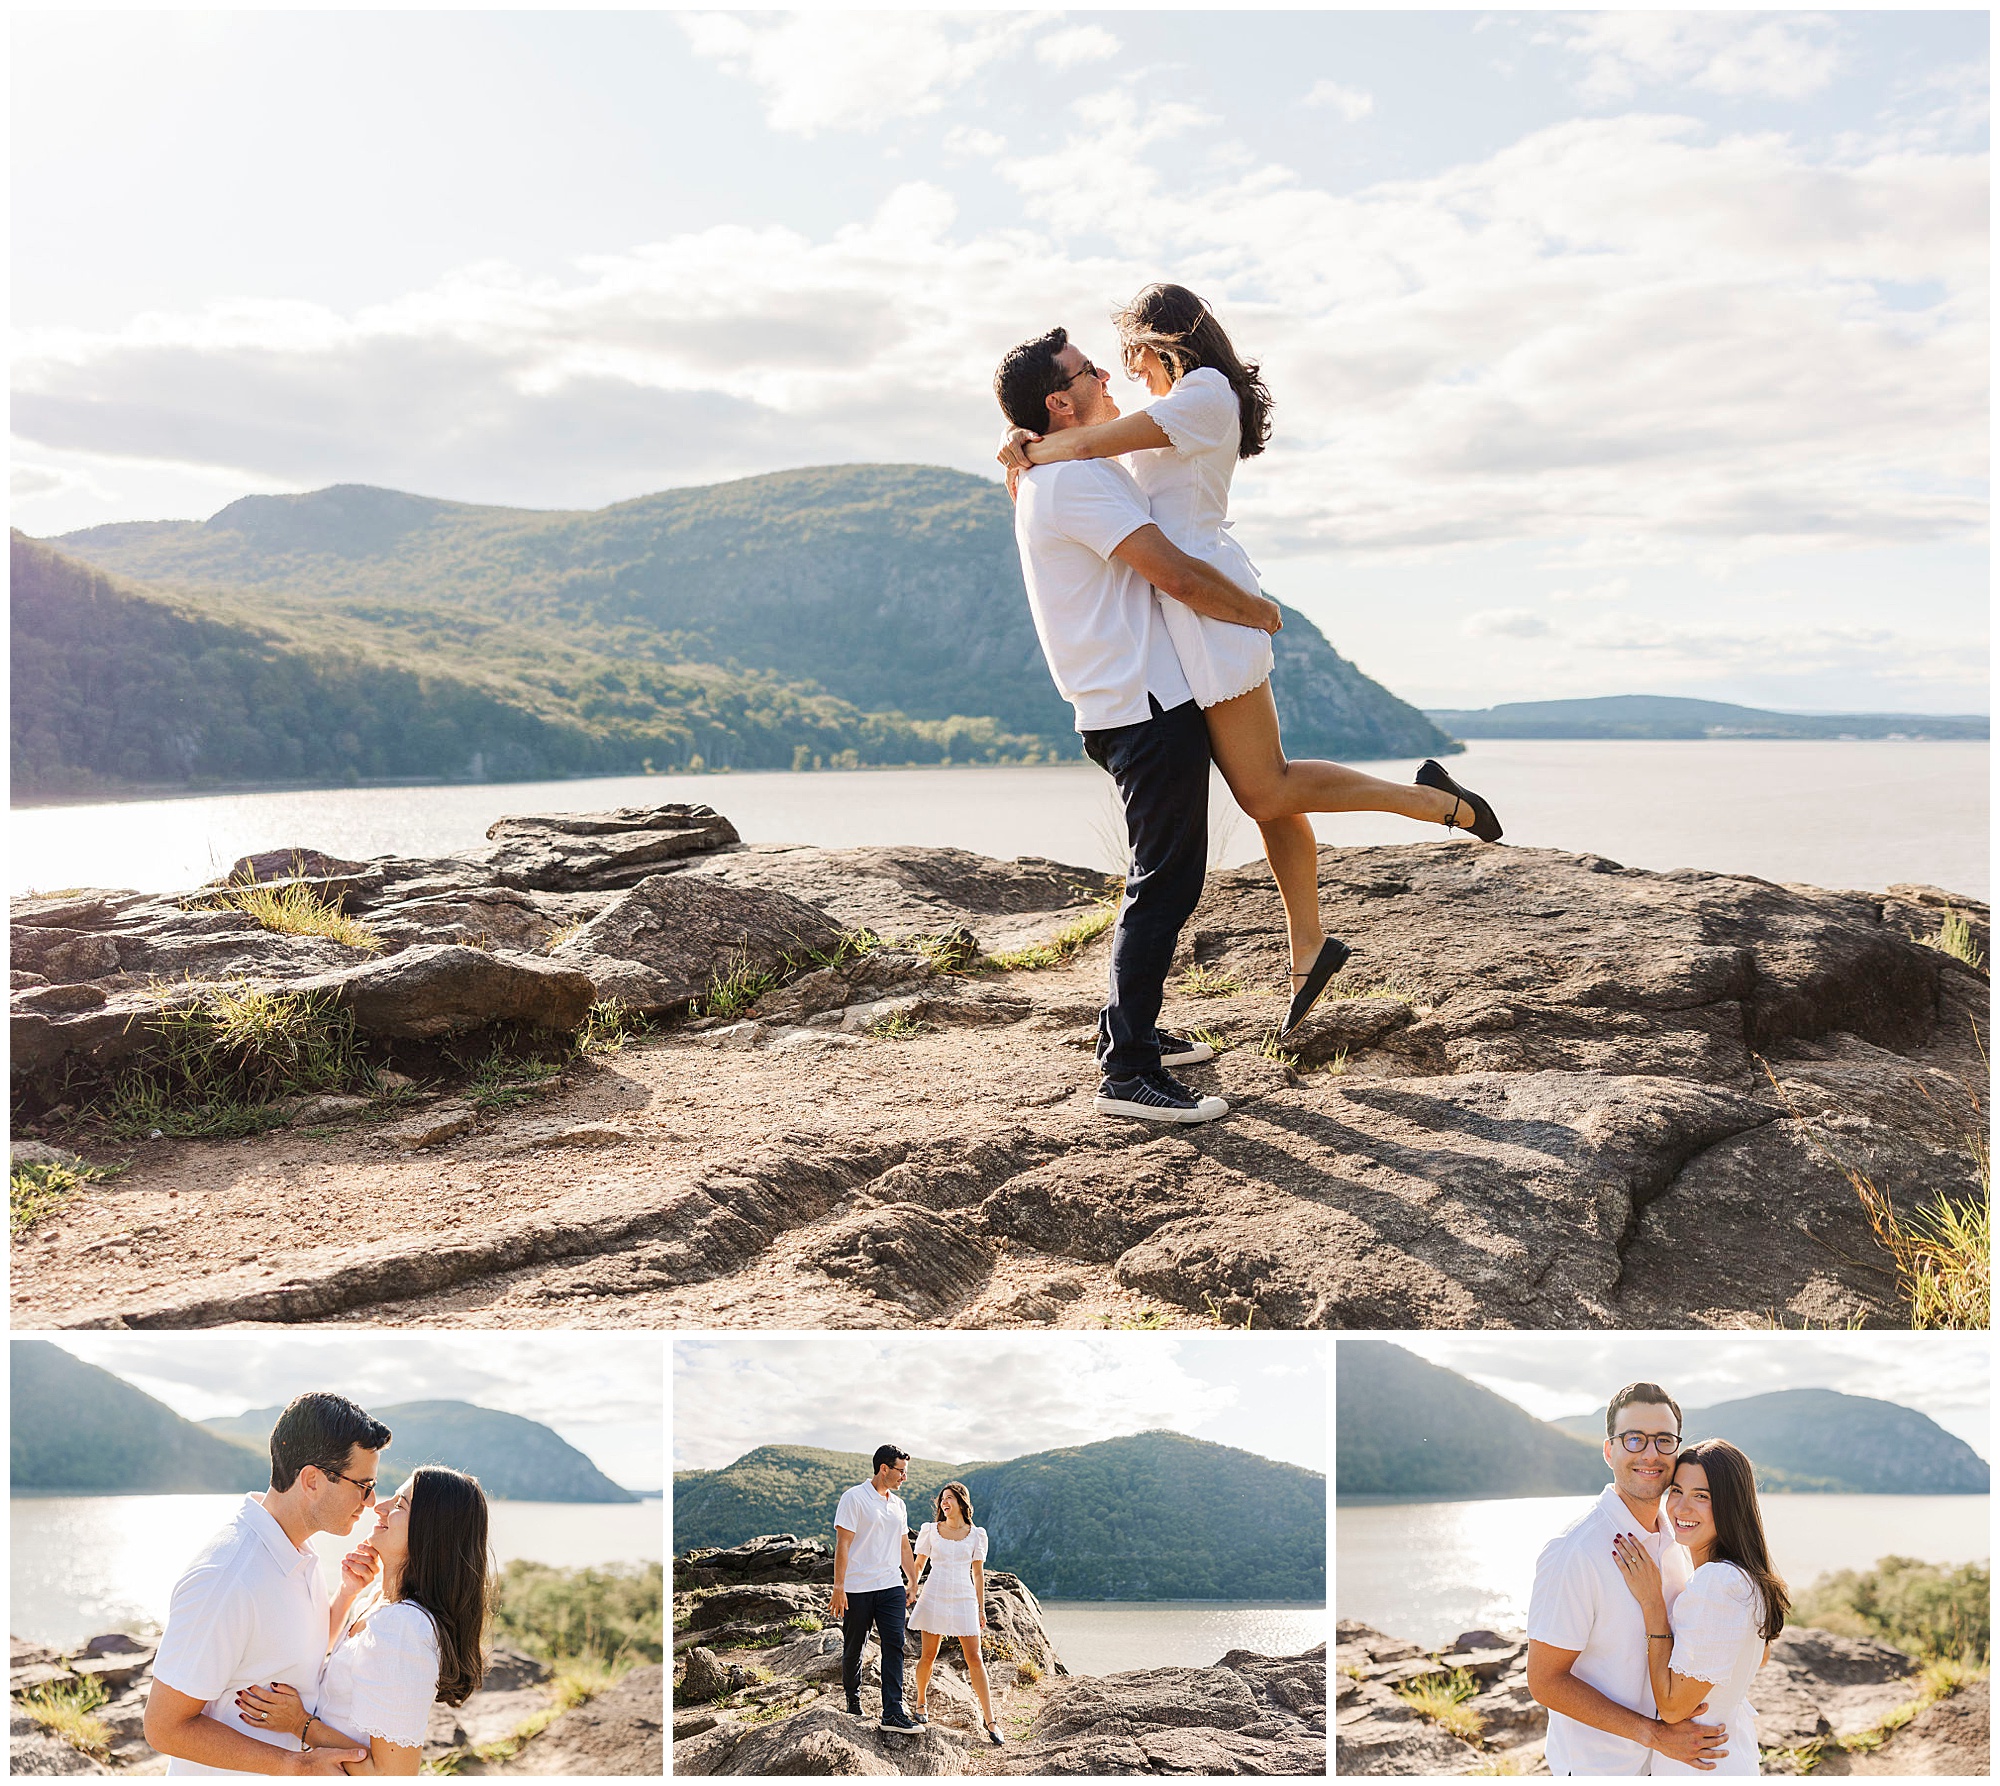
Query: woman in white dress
{"points": [[413, 1639], [1708, 1647], [952, 1600], [1210, 410]]}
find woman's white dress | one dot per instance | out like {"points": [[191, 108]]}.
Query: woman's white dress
{"points": [[1715, 1624], [380, 1680], [1187, 488], [948, 1604]]}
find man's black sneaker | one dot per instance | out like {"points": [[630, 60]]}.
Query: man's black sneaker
{"points": [[895, 1718], [1157, 1097], [1182, 1051], [854, 1709]]}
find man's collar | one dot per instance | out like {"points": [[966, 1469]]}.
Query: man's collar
{"points": [[1621, 1514], [261, 1520]]}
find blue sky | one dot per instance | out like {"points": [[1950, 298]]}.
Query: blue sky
{"points": [[1612, 351], [1945, 1375], [986, 1397], [602, 1392]]}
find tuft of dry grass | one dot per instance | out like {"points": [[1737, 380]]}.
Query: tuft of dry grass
{"points": [[1953, 937], [1441, 1698], [64, 1709], [34, 1193], [1066, 941], [1209, 982], [292, 908]]}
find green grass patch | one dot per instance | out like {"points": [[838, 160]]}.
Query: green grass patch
{"points": [[1270, 1048], [806, 1622], [1214, 1038], [1442, 1699], [1147, 1320], [292, 908], [562, 934], [1953, 937], [1209, 982], [1066, 941], [889, 1029], [34, 1193], [733, 989], [223, 1065], [64, 1709], [607, 1026], [503, 1079]]}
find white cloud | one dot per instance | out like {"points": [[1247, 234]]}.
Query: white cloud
{"points": [[1505, 623], [1350, 102], [947, 1397], [1737, 55], [966, 142], [1613, 590], [1611, 338], [855, 71], [1076, 46]]}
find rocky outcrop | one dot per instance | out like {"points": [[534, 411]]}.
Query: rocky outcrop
{"points": [[758, 1689], [1815, 1689], [621, 1734], [1547, 1091]]}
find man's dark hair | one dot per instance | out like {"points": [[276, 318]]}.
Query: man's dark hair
{"points": [[1029, 376], [1650, 1394], [889, 1454], [320, 1429]]}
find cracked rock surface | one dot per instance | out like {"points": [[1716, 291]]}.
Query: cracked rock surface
{"points": [[1546, 1091]]}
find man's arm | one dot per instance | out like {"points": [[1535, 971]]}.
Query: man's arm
{"points": [[1551, 1684], [842, 1538], [1202, 587], [177, 1725], [912, 1568]]}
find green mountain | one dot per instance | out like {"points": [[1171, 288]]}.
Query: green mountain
{"points": [[1669, 716], [514, 1459], [862, 608], [1818, 1441], [1154, 1516], [1407, 1427], [76, 1428]]}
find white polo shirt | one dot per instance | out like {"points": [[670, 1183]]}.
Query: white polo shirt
{"points": [[879, 1523], [1580, 1602], [250, 1610], [1098, 619]]}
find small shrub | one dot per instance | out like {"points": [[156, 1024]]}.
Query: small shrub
{"points": [[292, 908], [1942, 1615], [1441, 1698], [1027, 1671], [64, 1708]]}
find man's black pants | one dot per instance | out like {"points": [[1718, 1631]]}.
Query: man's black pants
{"points": [[886, 1610], [1161, 768]]}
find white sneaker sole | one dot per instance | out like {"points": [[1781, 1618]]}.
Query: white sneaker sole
{"points": [[1200, 1052], [1206, 1111]]}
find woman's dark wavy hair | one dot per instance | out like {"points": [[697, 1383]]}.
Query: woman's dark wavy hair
{"points": [[1739, 1525], [1183, 331], [959, 1493], [446, 1573]]}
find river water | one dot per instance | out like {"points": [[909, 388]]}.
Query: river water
{"points": [[84, 1564], [1111, 1636], [1861, 814], [1427, 1570]]}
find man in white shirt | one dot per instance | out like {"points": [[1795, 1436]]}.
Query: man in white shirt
{"points": [[1091, 558], [1586, 1633], [252, 1610], [874, 1580]]}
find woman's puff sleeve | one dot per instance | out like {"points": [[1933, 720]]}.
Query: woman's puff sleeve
{"points": [[395, 1675], [925, 1545], [1713, 1619], [979, 1544], [1200, 413]]}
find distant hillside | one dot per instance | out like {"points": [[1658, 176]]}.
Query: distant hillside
{"points": [[1669, 716], [1818, 1441], [1155, 1516], [1407, 1427], [514, 1459], [75, 1427], [895, 589]]}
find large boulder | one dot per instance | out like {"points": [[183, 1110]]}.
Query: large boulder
{"points": [[564, 851], [777, 1556], [437, 990], [661, 946], [820, 1740]]}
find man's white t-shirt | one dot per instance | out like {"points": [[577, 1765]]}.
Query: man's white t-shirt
{"points": [[250, 1611], [879, 1523], [1097, 618], [1580, 1602]]}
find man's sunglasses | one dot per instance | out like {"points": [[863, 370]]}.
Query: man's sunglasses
{"points": [[366, 1484], [1665, 1443]]}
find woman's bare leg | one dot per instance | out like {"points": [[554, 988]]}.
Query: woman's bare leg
{"points": [[1243, 734], [925, 1663], [976, 1671], [1293, 853]]}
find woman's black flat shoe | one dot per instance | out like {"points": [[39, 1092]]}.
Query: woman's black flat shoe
{"points": [[994, 1737], [1484, 825], [1332, 957]]}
